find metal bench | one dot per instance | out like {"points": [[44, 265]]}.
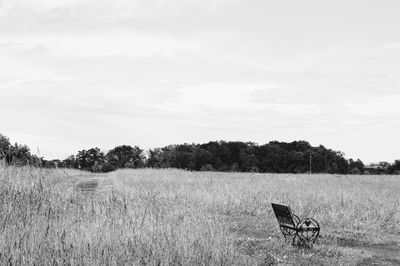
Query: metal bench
{"points": [[306, 230]]}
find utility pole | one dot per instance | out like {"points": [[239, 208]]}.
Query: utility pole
{"points": [[310, 163]]}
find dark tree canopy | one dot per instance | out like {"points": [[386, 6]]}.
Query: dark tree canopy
{"points": [[16, 154], [124, 157], [91, 160], [272, 157]]}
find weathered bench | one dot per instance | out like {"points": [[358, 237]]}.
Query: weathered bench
{"points": [[306, 230]]}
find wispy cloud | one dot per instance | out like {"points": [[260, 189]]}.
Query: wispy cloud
{"points": [[113, 43], [395, 45], [387, 105], [106, 9]]}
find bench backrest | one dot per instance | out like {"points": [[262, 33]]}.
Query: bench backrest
{"points": [[283, 214]]}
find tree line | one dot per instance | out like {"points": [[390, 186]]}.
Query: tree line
{"points": [[235, 156]]}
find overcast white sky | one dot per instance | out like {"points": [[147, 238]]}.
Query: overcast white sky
{"points": [[76, 74]]}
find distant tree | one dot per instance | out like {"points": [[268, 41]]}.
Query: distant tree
{"points": [[155, 158], [168, 158], [52, 163], [383, 167], [203, 159], [297, 162], [248, 158], [299, 146], [125, 157], [4, 146], [16, 154], [90, 160], [271, 158], [394, 168], [356, 167], [19, 155], [70, 162], [207, 167]]}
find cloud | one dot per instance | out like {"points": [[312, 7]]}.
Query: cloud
{"points": [[395, 45], [97, 44], [106, 9], [16, 70], [230, 98], [387, 105]]}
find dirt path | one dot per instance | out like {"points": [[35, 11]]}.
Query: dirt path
{"points": [[251, 235], [377, 254], [381, 255], [96, 183]]}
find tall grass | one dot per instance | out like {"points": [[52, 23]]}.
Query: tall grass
{"points": [[161, 217], [361, 205]]}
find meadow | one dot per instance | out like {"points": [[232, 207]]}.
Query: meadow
{"points": [[164, 217]]}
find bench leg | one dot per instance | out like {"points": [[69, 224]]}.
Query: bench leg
{"points": [[302, 242]]}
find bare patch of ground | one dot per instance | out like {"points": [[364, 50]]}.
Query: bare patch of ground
{"points": [[92, 184], [381, 255], [88, 185], [377, 254], [269, 247]]}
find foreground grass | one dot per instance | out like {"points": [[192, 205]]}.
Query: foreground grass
{"points": [[160, 217]]}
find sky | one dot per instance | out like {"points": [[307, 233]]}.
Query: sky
{"points": [[77, 74]]}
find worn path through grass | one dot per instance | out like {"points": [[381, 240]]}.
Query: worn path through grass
{"points": [[99, 183], [252, 237]]}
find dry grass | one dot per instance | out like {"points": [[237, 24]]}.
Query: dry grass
{"points": [[161, 217]]}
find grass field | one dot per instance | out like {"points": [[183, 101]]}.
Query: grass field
{"points": [[162, 217]]}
